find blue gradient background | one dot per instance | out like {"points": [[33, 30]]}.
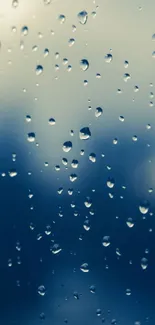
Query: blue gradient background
{"points": [[127, 30]]}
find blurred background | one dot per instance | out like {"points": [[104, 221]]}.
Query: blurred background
{"points": [[77, 161]]}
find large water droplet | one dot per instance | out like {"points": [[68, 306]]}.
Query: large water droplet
{"points": [[82, 17], [67, 146], [51, 121], [31, 137], [144, 207], [85, 133], [84, 64]]}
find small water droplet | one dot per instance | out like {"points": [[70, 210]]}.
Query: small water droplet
{"points": [[144, 263], [46, 52], [128, 292], [98, 112], [67, 146], [51, 121], [62, 18], [12, 173], [24, 31], [84, 64], [71, 42], [92, 157], [39, 70], [108, 58], [84, 268], [15, 3], [144, 207], [41, 290], [92, 288], [130, 222], [106, 241], [127, 77], [55, 249], [126, 64]]}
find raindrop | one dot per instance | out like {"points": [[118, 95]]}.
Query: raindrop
{"points": [[86, 225], [48, 230], [98, 312], [108, 58], [47, 2], [73, 177], [82, 17], [106, 241], [55, 249], [92, 288], [153, 37], [71, 42], [84, 64], [126, 64], [15, 3], [46, 52], [75, 163], [144, 207], [31, 137], [84, 268], [12, 173], [144, 263], [98, 111], [121, 118], [76, 295], [41, 290], [51, 121], [92, 157], [64, 161], [88, 202], [110, 182], [62, 18], [67, 146], [128, 292], [24, 30], [126, 77], [39, 70], [130, 223], [34, 48], [28, 118], [85, 133]]}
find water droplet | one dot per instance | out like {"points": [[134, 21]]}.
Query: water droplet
{"points": [[24, 31], [153, 54], [92, 288], [65, 61], [84, 64], [71, 42], [12, 173], [108, 58], [55, 249], [127, 77], [92, 157], [46, 52], [41, 290], [15, 3], [88, 202], [48, 230], [62, 18], [28, 118], [47, 2], [14, 29], [98, 111], [64, 161], [84, 268], [144, 263], [34, 48], [74, 163], [51, 121], [9, 262], [126, 64], [128, 292], [98, 312], [67, 146], [153, 37], [110, 182], [106, 241], [39, 70], [73, 177], [82, 17], [31, 137], [121, 118], [130, 222], [144, 207], [136, 89], [86, 225], [85, 133]]}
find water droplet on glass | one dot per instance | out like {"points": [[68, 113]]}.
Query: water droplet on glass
{"points": [[67, 146], [106, 241], [88, 202], [41, 290], [85, 133], [24, 31], [110, 182], [92, 157], [126, 64], [86, 225], [28, 118], [31, 137], [46, 52], [71, 42], [84, 64], [144, 207], [82, 17], [47, 2], [98, 111], [12, 173], [128, 292], [130, 223], [55, 249], [73, 177], [98, 312], [15, 3], [62, 18], [74, 163], [51, 121], [48, 230], [108, 58], [92, 288], [126, 77], [9, 262], [39, 70], [84, 268], [34, 48], [144, 263]]}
